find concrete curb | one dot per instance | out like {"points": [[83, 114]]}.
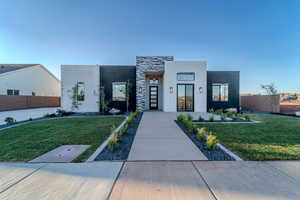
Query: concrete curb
{"points": [[229, 122], [233, 155], [105, 143]]}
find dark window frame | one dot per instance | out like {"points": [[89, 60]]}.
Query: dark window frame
{"points": [[179, 75], [193, 98], [80, 97], [220, 87], [118, 98]]}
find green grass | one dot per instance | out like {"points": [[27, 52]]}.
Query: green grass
{"points": [[25, 142], [276, 138]]}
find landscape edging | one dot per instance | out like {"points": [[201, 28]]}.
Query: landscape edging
{"points": [[105, 143]]}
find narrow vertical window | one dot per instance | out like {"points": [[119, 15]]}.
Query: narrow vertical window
{"points": [[80, 91]]}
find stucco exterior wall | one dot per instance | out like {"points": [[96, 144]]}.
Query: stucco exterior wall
{"points": [[90, 75], [170, 80], [31, 79]]}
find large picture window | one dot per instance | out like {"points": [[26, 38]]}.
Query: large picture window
{"points": [[220, 91], [186, 76], [80, 91], [118, 91]]}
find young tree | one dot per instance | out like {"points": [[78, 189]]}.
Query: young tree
{"points": [[271, 90], [128, 92], [74, 98], [103, 102]]}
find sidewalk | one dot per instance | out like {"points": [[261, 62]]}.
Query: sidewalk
{"points": [[159, 138], [155, 180]]}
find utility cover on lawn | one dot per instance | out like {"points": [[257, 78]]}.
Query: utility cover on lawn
{"points": [[65, 153]]}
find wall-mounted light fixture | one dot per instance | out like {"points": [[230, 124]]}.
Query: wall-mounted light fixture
{"points": [[140, 89], [171, 89], [200, 89]]}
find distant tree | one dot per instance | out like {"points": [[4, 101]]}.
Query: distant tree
{"points": [[271, 90]]}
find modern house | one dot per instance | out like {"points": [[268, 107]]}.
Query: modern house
{"points": [[158, 83], [28, 80]]}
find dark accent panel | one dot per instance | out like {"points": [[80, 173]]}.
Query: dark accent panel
{"points": [[110, 74], [233, 80]]}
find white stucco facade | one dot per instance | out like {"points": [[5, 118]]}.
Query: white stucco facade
{"points": [[36, 79], [171, 69], [87, 74]]}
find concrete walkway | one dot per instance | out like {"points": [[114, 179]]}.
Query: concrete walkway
{"points": [[159, 138], [151, 180], [25, 114]]}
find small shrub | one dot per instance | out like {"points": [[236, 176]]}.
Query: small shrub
{"points": [[211, 110], [47, 115], [30, 119], [211, 142], [132, 116], [201, 134], [212, 118], [189, 117], [195, 129], [112, 128], [113, 143], [200, 118], [219, 111], [189, 125], [223, 117], [229, 114], [9, 120], [247, 117], [62, 113], [181, 117], [234, 117]]}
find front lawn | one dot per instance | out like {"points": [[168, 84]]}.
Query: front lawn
{"points": [[276, 138], [25, 142]]}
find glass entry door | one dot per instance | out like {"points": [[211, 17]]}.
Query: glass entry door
{"points": [[185, 97], [153, 97]]}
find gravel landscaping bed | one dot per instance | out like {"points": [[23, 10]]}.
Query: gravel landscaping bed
{"points": [[217, 154], [124, 144]]}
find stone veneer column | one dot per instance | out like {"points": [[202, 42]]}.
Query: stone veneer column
{"points": [[147, 64]]}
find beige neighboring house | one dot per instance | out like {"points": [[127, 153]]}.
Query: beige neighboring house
{"points": [[28, 80]]}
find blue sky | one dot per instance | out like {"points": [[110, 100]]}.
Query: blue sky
{"points": [[260, 38]]}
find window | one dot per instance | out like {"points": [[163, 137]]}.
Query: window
{"points": [[10, 92], [153, 81], [13, 92], [80, 91], [118, 91], [220, 91], [186, 76], [16, 92]]}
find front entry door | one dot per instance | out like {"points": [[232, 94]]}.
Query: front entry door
{"points": [[185, 97], [153, 97]]}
